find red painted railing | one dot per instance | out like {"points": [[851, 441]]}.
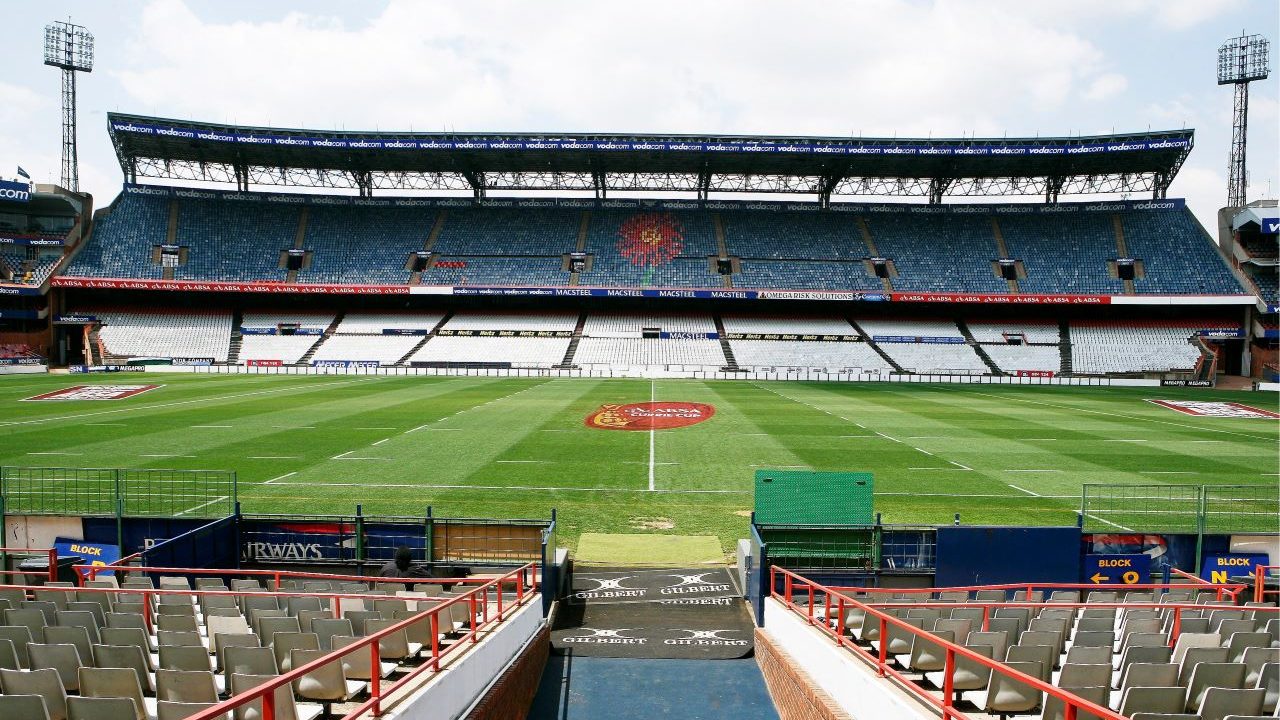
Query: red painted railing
{"points": [[1260, 591], [90, 572], [488, 604], [836, 601], [50, 576]]}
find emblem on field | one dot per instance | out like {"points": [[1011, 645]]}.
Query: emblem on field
{"points": [[95, 392], [649, 416], [1215, 409]]}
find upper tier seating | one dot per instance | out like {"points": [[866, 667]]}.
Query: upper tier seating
{"points": [[191, 334], [9, 351], [1196, 268], [1267, 285], [355, 245], [508, 231], [1261, 246], [1156, 347], [1065, 253], [793, 236], [31, 269], [122, 240], [682, 240], [938, 253], [234, 240], [806, 275], [472, 270]]}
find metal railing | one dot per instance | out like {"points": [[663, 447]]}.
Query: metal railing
{"points": [[487, 605], [90, 572], [1222, 591], [835, 603], [1260, 575]]}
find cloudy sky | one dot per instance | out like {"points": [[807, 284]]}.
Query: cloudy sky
{"points": [[871, 67]]}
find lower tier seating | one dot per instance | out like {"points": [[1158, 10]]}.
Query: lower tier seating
{"points": [[830, 356], [516, 351], [638, 352], [171, 335]]}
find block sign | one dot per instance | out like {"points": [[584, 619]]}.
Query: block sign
{"points": [[96, 554], [1218, 568], [1117, 569]]}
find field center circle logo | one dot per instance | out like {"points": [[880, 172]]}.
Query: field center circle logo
{"points": [[649, 416]]}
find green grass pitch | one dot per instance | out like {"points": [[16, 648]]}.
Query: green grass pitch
{"points": [[479, 447]]}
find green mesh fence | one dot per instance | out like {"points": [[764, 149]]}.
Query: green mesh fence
{"points": [[804, 497], [106, 491], [1185, 509]]}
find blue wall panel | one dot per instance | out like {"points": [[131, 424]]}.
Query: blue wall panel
{"points": [[993, 555]]}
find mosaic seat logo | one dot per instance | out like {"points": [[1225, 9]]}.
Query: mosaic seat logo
{"points": [[649, 416]]}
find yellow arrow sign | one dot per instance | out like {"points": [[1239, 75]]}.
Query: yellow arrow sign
{"points": [[1098, 578]]}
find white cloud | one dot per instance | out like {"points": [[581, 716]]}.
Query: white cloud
{"points": [[1106, 86]]}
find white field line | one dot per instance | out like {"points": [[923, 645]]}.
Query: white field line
{"points": [[1108, 522], [178, 403], [652, 394], [51, 452], [381, 441], [339, 457], [202, 505], [362, 458], [524, 462], [1119, 415], [282, 477], [1021, 489], [408, 486], [427, 426]]}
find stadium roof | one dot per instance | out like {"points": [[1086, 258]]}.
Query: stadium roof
{"points": [[183, 150]]}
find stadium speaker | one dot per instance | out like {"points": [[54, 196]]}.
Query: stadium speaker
{"points": [[418, 261], [1125, 269]]}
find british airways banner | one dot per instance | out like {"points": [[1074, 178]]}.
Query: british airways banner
{"points": [[246, 136], [14, 191]]}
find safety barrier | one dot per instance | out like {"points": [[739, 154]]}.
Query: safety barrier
{"points": [[90, 572], [488, 605], [1222, 591], [835, 602], [1261, 574]]}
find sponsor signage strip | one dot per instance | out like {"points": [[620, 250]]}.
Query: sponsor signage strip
{"points": [[11, 191], [246, 136], [30, 240], [446, 332]]}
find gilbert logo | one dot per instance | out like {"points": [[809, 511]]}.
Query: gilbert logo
{"points": [[604, 637], [649, 416], [706, 638]]}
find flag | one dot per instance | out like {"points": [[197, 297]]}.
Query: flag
{"points": [[23, 173]]}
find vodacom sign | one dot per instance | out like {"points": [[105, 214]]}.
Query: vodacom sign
{"points": [[649, 416]]}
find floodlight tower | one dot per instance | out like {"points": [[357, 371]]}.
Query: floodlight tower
{"points": [[69, 47], [1241, 60]]}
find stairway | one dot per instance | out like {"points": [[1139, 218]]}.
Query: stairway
{"points": [[731, 363], [567, 362], [237, 339], [1003, 249], [977, 348], [885, 283], [328, 333], [871, 344], [1064, 347], [405, 360]]}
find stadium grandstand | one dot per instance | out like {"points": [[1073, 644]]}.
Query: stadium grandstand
{"points": [[418, 354]]}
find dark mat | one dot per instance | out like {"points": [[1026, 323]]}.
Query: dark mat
{"points": [[649, 614], [668, 586]]}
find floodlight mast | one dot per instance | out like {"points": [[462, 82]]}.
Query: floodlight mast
{"points": [[70, 48], [1241, 60]]}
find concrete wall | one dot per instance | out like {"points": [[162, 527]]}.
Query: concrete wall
{"points": [[855, 689]]}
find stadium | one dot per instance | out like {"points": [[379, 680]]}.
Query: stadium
{"points": [[332, 423]]}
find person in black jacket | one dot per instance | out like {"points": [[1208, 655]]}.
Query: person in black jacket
{"points": [[401, 566]]}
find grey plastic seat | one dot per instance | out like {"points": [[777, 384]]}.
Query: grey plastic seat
{"points": [[1254, 659], [1056, 709], [1085, 655], [249, 661], [358, 664], [998, 641], [1042, 655], [223, 641], [267, 627], [119, 683], [8, 655], [1206, 675], [179, 637], [1085, 676], [33, 620], [1242, 641], [64, 659], [286, 707], [170, 710], [1219, 702], [81, 618], [1189, 640], [326, 628], [1094, 638], [288, 642], [49, 608], [184, 623], [1194, 657], [45, 683], [186, 686], [129, 636], [1149, 675], [396, 646], [70, 635], [185, 657], [131, 657], [27, 707], [325, 684], [98, 610], [1007, 696], [1152, 700], [20, 637], [1269, 680]]}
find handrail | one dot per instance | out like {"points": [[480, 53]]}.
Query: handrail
{"points": [[266, 691], [1072, 704], [51, 575], [1260, 590], [278, 575], [1232, 590]]}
